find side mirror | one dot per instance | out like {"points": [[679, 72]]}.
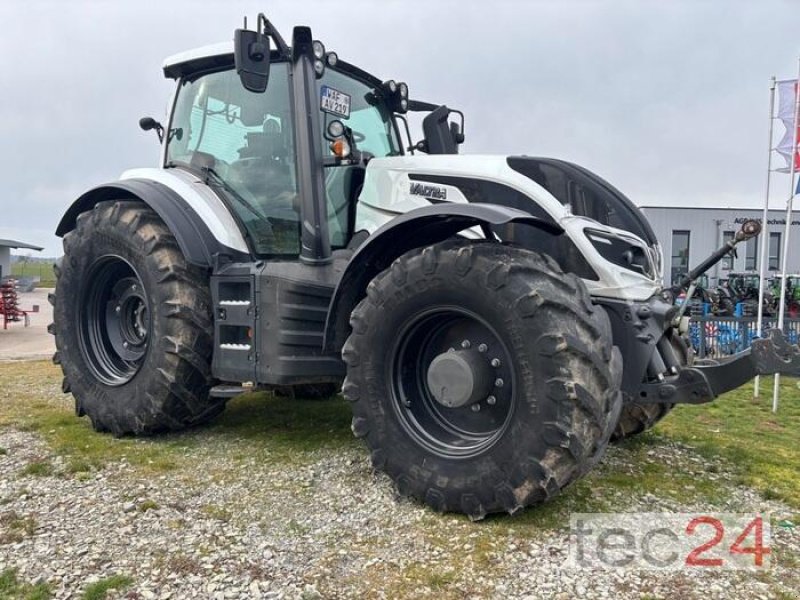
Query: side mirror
{"points": [[148, 123], [251, 56]]}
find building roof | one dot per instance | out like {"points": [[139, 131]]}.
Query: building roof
{"points": [[16, 244], [795, 209]]}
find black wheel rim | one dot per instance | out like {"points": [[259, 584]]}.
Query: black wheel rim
{"points": [[115, 321], [461, 432]]}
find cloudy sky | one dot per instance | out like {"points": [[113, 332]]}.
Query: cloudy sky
{"points": [[667, 100]]}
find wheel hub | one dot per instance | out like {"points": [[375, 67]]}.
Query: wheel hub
{"points": [[115, 321], [459, 378]]}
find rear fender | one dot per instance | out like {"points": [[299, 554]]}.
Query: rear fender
{"points": [[201, 234]]}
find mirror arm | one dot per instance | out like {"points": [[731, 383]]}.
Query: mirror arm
{"points": [[267, 28]]}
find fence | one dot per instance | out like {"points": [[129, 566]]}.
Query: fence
{"points": [[712, 336]]}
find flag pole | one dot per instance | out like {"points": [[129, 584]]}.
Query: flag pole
{"points": [[787, 230], [762, 271]]}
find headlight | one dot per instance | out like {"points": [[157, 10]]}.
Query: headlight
{"points": [[318, 48], [622, 252]]}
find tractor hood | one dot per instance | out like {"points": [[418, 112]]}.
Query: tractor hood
{"points": [[603, 225], [547, 188]]}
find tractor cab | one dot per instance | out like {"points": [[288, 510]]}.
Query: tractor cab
{"points": [[246, 143]]}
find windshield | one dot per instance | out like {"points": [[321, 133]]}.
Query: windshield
{"points": [[244, 141]]}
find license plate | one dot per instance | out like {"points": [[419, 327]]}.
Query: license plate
{"points": [[334, 102]]}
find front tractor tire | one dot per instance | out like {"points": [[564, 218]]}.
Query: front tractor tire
{"points": [[635, 417], [132, 324], [481, 377]]}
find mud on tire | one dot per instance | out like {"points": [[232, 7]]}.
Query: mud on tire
{"points": [[132, 323], [561, 387]]}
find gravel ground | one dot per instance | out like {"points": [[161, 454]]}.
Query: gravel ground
{"points": [[324, 528]]}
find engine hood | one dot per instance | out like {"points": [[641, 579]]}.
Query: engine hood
{"points": [[399, 184], [545, 187], [606, 240]]}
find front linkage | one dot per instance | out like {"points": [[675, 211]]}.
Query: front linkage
{"points": [[661, 370], [707, 379]]}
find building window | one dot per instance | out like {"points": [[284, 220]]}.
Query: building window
{"points": [[774, 256], [727, 262], [680, 254], [751, 254]]}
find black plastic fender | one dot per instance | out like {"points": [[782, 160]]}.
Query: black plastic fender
{"points": [[416, 228], [195, 239]]}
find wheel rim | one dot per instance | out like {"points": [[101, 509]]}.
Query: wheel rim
{"points": [[115, 321], [450, 432]]}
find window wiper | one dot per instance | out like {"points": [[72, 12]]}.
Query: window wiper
{"points": [[210, 173]]}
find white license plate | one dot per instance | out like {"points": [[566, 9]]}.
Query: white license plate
{"points": [[334, 102]]}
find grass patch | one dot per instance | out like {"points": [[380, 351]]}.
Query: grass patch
{"points": [[761, 445], [14, 528], [216, 512], [3, 451], [282, 429], [43, 270], [99, 589], [147, 505], [38, 468], [12, 587]]}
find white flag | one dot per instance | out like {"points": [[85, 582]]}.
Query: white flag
{"points": [[787, 98]]}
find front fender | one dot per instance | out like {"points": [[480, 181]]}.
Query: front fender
{"points": [[420, 227]]}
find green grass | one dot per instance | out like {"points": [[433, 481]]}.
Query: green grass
{"points": [[14, 528], [761, 445], [743, 441], [39, 468], [255, 426], [147, 505], [36, 269], [12, 587], [99, 589]]}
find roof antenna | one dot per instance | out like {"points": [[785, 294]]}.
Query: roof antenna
{"points": [[245, 22]]}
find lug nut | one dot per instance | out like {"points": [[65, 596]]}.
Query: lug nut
{"points": [[465, 344], [498, 382], [483, 348], [118, 309], [491, 400], [495, 362], [476, 407], [124, 344]]}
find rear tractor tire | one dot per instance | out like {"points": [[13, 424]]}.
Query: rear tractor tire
{"points": [[481, 377], [132, 324]]}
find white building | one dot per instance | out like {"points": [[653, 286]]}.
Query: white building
{"points": [[5, 255], [689, 234]]}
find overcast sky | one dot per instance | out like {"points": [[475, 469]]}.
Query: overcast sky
{"points": [[666, 100]]}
